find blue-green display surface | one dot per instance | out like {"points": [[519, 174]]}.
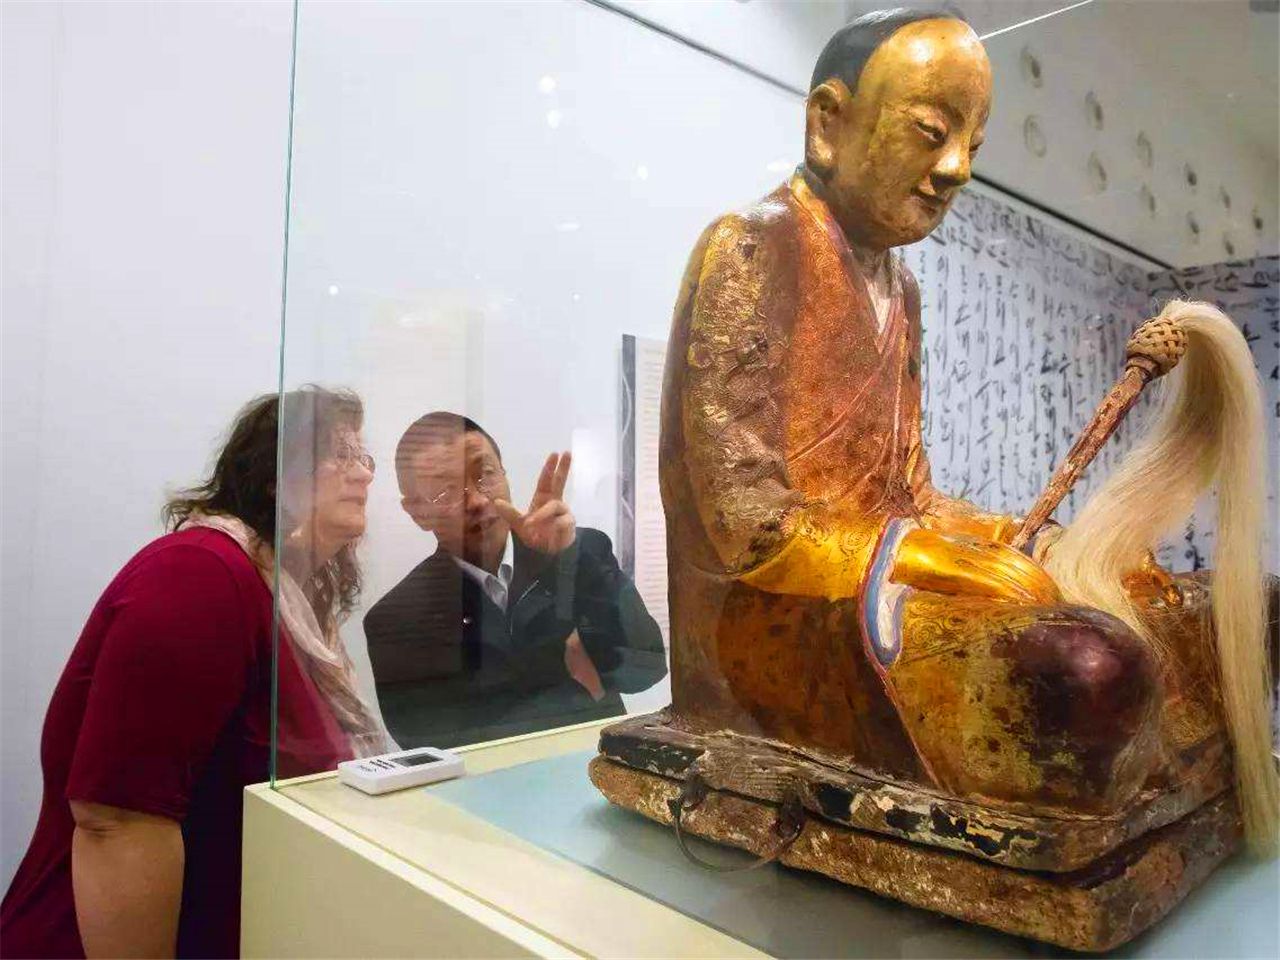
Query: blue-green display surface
{"points": [[793, 913]]}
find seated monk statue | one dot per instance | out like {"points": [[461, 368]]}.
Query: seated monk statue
{"points": [[823, 593]]}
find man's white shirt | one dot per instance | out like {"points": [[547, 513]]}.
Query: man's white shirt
{"points": [[496, 586]]}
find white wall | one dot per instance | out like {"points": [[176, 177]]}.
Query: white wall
{"points": [[144, 161], [1198, 77]]}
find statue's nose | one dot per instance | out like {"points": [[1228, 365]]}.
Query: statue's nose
{"points": [[952, 170]]}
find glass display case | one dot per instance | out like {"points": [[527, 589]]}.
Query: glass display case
{"points": [[516, 497]]}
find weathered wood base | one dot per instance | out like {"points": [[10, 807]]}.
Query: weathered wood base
{"points": [[1021, 837], [1093, 908]]}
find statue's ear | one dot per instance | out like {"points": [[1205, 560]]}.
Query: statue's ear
{"points": [[825, 110]]}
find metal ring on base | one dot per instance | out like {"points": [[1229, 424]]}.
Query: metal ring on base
{"points": [[788, 826]]}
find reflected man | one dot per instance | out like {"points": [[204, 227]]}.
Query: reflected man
{"points": [[469, 647]]}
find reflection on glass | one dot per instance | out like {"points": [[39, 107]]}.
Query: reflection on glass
{"points": [[520, 620]]}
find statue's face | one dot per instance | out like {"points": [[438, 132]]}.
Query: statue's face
{"points": [[894, 153]]}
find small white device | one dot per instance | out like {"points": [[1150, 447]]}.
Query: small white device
{"points": [[396, 771]]}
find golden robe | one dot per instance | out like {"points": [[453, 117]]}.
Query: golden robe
{"points": [[790, 450]]}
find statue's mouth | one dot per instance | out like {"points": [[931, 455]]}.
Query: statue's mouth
{"points": [[931, 201]]}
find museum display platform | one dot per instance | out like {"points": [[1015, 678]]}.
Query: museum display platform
{"points": [[523, 857]]}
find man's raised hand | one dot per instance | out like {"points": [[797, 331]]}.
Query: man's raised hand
{"points": [[547, 526]]}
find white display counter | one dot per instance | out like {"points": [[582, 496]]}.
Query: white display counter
{"points": [[329, 871], [524, 858]]}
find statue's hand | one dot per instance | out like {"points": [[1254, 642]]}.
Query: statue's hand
{"points": [[970, 566], [978, 525], [1042, 542], [1002, 529], [1152, 582]]}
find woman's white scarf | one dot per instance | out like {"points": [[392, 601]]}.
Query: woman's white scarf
{"points": [[321, 651]]}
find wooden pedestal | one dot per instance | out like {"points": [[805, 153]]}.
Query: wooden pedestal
{"points": [[1089, 884]]}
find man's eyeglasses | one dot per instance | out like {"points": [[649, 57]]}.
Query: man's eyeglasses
{"points": [[345, 457], [488, 484]]}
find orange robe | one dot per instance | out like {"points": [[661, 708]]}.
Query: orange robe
{"points": [[790, 445]]}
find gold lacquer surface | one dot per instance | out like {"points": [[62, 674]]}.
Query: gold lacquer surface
{"points": [[791, 453], [951, 563]]}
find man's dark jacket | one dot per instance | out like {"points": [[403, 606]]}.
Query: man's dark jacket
{"points": [[452, 668]]}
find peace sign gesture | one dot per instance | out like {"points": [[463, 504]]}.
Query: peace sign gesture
{"points": [[547, 526]]}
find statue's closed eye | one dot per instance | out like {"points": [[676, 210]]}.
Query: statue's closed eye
{"points": [[932, 132]]}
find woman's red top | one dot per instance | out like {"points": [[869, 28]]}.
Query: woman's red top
{"points": [[165, 708]]}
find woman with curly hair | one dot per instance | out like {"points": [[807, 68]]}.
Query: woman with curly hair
{"points": [[163, 713]]}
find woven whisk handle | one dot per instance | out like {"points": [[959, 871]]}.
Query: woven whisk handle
{"points": [[1156, 347]]}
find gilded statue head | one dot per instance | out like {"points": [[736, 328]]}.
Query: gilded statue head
{"points": [[895, 114]]}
